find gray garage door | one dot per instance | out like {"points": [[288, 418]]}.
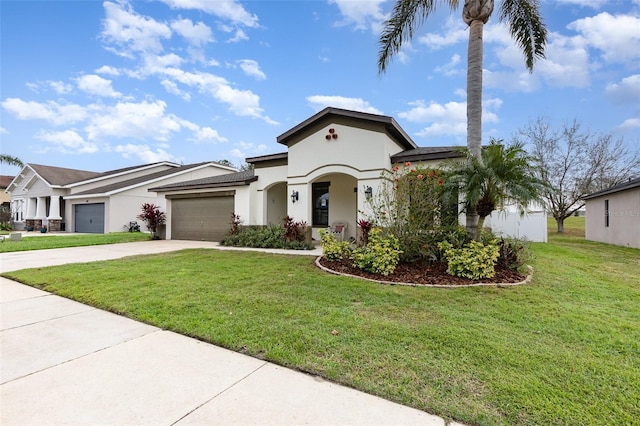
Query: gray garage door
{"points": [[89, 218], [202, 219]]}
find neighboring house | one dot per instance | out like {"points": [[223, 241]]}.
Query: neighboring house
{"points": [[5, 181], [85, 201], [613, 215], [334, 161]]}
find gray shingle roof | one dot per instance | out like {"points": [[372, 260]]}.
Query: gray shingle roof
{"points": [[427, 153], [138, 180], [231, 179], [630, 184], [62, 176]]}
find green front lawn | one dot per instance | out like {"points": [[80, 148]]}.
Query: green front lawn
{"points": [[60, 241], [563, 350]]}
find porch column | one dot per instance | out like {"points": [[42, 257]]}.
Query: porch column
{"points": [[31, 208], [41, 208], [54, 208]]}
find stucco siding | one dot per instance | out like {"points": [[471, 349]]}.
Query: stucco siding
{"points": [[624, 219]]}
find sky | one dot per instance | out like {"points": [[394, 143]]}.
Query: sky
{"points": [[100, 85]]}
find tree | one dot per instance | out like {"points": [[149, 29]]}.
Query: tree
{"points": [[505, 176], [574, 162], [525, 26], [10, 160], [153, 217]]}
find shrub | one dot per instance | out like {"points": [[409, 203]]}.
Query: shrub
{"points": [[380, 256], [475, 260], [365, 226], [262, 237], [235, 224], [153, 217], [294, 231], [514, 253], [333, 249]]}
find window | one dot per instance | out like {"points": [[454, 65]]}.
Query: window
{"points": [[320, 195], [606, 213]]}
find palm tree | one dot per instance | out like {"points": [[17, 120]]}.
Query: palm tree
{"points": [[504, 175], [525, 26], [12, 161]]}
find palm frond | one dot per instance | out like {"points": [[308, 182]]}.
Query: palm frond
{"points": [[406, 16], [526, 27]]}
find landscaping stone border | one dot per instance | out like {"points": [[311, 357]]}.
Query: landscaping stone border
{"points": [[525, 281]]}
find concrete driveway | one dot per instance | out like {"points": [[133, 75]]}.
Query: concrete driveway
{"points": [[64, 362]]}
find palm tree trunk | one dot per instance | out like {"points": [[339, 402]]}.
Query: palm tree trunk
{"points": [[474, 88], [474, 108], [481, 220]]}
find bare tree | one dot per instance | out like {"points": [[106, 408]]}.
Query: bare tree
{"points": [[573, 162]]}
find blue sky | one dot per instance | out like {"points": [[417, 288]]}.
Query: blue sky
{"points": [[102, 85]]}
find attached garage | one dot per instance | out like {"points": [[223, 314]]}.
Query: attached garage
{"points": [[202, 218], [89, 218]]}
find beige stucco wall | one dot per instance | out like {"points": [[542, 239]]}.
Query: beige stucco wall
{"points": [[624, 219]]}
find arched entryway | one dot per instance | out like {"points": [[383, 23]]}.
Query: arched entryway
{"points": [[276, 203], [334, 199]]}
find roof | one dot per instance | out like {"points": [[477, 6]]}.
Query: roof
{"points": [[268, 157], [428, 153], [60, 175], [389, 123], [5, 181], [138, 180], [625, 186], [231, 179]]}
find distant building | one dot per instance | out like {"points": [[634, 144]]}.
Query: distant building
{"points": [[613, 215]]}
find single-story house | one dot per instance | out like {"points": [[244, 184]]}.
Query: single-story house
{"points": [[613, 215], [333, 162], [94, 202]]}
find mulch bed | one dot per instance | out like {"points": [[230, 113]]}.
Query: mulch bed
{"points": [[423, 274]]}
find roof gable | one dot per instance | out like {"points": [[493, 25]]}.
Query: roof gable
{"points": [[390, 125]]}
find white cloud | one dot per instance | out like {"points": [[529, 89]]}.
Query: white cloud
{"points": [[173, 88], [132, 120], [247, 149], [132, 31], [455, 31], [109, 70], [96, 85], [60, 87], [449, 118], [226, 9], [626, 91], [144, 152], [450, 68], [595, 4], [629, 124], [207, 134], [3, 131], [50, 111], [252, 68], [67, 141], [239, 36], [361, 14], [196, 35], [617, 37], [318, 102]]}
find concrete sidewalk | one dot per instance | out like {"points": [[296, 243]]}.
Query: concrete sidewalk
{"points": [[64, 362]]}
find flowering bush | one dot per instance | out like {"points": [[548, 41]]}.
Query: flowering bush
{"points": [[333, 249], [476, 260], [411, 207], [380, 256]]}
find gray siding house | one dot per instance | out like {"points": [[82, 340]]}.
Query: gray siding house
{"points": [[613, 215]]}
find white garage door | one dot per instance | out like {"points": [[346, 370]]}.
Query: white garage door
{"points": [[201, 219]]}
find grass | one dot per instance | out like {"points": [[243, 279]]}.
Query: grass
{"points": [[564, 350], [573, 226], [60, 241]]}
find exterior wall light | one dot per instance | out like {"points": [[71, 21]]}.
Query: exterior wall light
{"points": [[368, 192], [294, 196]]}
